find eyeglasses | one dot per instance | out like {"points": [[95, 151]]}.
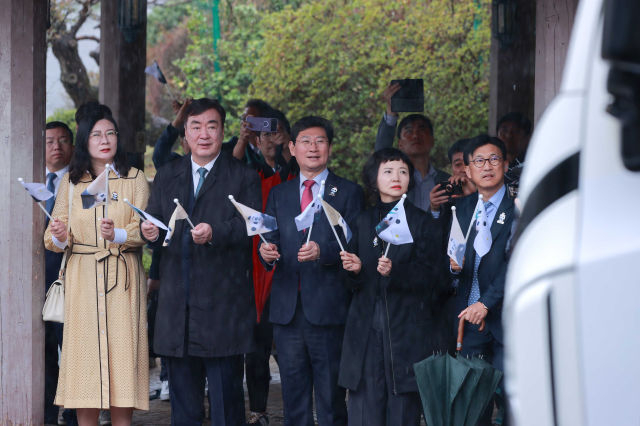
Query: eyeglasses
{"points": [[110, 134], [479, 162], [306, 142]]}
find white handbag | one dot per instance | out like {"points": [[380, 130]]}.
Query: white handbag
{"points": [[53, 309]]}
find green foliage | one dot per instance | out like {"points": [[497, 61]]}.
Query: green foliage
{"points": [[67, 116], [237, 53], [334, 58], [164, 18]]}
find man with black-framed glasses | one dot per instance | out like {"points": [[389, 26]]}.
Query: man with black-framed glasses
{"points": [[482, 274]]}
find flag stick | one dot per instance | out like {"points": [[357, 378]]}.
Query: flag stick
{"points": [[106, 193], [170, 92], [45, 211], [387, 250], [332, 227], [466, 237], [263, 240]]}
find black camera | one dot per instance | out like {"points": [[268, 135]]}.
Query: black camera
{"points": [[451, 188]]}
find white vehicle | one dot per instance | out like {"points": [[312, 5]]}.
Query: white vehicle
{"points": [[572, 300]]}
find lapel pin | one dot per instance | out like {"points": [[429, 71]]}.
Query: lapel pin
{"points": [[333, 191], [375, 242], [114, 196], [501, 218]]}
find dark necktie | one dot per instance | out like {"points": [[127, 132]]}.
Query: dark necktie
{"points": [[202, 171], [51, 177], [307, 194]]}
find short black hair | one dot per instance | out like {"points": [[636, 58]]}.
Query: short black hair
{"points": [[410, 119], [282, 119], [458, 146], [312, 121], [518, 118], [259, 104], [482, 140], [198, 106], [372, 166], [60, 125], [91, 108]]}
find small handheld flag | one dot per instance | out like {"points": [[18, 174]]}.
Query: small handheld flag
{"points": [[96, 193], [146, 216], [482, 242], [154, 71], [336, 219], [257, 222], [394, 228], [38, 192], [178, 214], [457, 240], [305, 219]]}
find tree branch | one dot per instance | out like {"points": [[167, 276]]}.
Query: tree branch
{"points": [[83, 14], [88, 37]]}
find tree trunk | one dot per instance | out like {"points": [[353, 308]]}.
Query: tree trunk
{"points": [[73, 74]]}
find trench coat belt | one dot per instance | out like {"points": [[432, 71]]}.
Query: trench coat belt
{"points": [[102, 255]]}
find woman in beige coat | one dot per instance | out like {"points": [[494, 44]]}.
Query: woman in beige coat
{"points": [[104, 362]]}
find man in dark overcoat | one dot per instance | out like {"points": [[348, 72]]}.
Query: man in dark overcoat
{"points": [[206, 311]]}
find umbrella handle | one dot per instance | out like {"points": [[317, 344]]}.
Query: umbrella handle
{"points": [[461, 333]]}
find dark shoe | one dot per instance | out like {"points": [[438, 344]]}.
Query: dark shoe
{"points": [[260, 419]]}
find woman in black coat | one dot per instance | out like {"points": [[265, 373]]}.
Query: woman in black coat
{"points": [[390, 325]]}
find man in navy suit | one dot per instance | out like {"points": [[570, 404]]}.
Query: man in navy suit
{"points": [[481, 286], [58, 151], [308, 299]]}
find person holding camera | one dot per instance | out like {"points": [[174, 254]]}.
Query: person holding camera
{"points": [[415, 139]]}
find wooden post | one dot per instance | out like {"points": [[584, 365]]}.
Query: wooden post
{"points": [[22, 119], [511, 80], [554, 21], [122, 78]]}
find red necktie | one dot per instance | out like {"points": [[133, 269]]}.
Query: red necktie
{"points": [[307, 194]]}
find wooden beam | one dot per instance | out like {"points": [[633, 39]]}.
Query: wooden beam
{"points": [[122, 78], [554, 21], [22, 119]]}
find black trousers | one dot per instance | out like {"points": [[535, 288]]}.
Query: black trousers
{"points": [[186, 390], [257, 364], [374, 403], [309, 360]]}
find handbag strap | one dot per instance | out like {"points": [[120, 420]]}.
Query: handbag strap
{"points": [[63, 264]]}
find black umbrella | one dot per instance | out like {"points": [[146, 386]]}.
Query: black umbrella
{"points": [[455, 390]]}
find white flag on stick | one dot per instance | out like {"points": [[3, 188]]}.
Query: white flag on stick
{"points": [[97, 192], [38, 191], [482, 242], [457, 240], [257, 222], [146, 216], [394, 228], [178, 214]]}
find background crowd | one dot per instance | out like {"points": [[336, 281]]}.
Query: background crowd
{"points": [[354, 319]]}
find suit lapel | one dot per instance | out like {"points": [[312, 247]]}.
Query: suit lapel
{"points": [[503, 217]]}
